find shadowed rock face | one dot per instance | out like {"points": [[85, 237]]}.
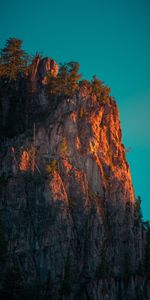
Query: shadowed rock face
{"points": [[24, 98], [67, 205]]}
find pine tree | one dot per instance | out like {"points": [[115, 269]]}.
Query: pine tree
{"points": [[101, 91], [74, 76], [13, 59], [66, 83]]}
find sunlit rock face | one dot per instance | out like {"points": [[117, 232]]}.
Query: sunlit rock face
{"points": [[42, 67], [68, 205]]}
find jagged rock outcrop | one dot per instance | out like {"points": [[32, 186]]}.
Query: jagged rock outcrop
{"points": [[24, 98], [67, 206], [40, 68]]}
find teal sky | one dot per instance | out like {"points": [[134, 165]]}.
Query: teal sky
{"points": [[109, 38]]}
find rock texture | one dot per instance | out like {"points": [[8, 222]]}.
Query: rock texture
{"points": [[42, 67], [67, 205]]}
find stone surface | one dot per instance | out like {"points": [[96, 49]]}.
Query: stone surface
{"points": [[41, 67], [67, 204]]}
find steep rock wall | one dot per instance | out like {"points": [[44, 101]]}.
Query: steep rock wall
{"points": [[67, 206]]}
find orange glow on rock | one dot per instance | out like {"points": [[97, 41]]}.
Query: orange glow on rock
{"points": [[24, 163], [67, 165], [77, 143], [57, 187], [73, 117]]}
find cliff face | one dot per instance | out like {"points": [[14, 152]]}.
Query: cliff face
{"points": [[67, 206], [41, 67]]}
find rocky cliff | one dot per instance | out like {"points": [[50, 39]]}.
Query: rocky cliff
{"points": [[41, 67], [71, 227]]}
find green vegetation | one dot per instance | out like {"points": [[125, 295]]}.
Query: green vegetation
{"points": [[17, 73], [66, 83], [98, 89], [13, 60], [85, 84]]}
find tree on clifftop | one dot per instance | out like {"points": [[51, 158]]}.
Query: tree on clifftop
{"points": [[66, 83], [13, 60], [98, 88]]}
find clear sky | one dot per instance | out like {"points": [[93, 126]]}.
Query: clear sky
{"points": [[109, 38]]}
